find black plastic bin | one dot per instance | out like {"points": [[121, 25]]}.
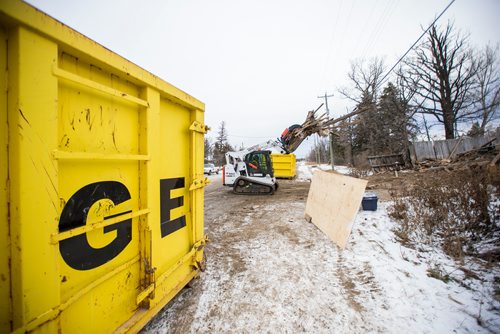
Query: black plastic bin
{"points": [[369, 202]]}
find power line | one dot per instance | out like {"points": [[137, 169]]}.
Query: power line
{"points": [[413, 45], [332, 37], [362, 31], [379, 28], [345, 26]]}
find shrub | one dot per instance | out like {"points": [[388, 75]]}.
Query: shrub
{"points": [[453, 210]]}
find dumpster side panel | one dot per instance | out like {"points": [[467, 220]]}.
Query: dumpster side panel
{"points": [[101, 183], [4, 219], [175, 177], [284, 165], [93, 121], [176, 223], [93, 127], [34, 200], [112, 301]]}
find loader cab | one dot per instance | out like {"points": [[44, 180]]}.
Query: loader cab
{"points": [[259, 163]]}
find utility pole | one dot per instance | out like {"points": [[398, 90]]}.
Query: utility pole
{"points": [[326, 96], [317, 153]]}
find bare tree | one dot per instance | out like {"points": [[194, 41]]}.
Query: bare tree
{"points": [[487, 92], [408, 106], [365, 79], [319, 153], [442, 70], [407, 88]]}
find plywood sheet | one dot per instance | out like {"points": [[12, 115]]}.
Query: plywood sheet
{"points": [[333, 202]]}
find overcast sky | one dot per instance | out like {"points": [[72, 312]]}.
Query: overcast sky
{"points": [[260, 65]]}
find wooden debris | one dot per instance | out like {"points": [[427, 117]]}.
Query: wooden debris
{"points": [[495, 160], [386, 162], [455, 147], [472, 159], [322, 125], [297, 133]]}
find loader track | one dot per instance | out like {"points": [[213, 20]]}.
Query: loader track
{"points": [[248, 187]]}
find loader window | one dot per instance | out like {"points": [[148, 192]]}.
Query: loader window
{"points": [[259, 163]]}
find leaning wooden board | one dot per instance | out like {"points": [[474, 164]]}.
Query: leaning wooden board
{"points": [[333, 202]]}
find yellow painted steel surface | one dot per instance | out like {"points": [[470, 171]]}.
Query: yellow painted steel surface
{"points": [[101, 183], [284, 165]]}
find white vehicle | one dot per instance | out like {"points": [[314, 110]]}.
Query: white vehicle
{"points": [[210, 169], [250, 171]]}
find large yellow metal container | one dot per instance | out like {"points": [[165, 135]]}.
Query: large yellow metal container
{"points": [[284, 165], [101, 183]]}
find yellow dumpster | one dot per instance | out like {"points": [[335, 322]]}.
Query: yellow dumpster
{"points": [[101, 173], [284, 165]]}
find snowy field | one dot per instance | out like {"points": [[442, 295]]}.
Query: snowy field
{"points": [[271, 271]]}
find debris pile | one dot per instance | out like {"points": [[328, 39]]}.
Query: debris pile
{"points": [[389, 162], [294, 135], [487, 155]]}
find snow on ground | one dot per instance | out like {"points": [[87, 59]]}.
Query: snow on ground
{"points": [[427, 304], [305, 171], [413, 300], [343, 169], [271, 271]]}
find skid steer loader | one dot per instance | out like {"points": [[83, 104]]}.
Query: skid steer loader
{"points": [[250, 171]]}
